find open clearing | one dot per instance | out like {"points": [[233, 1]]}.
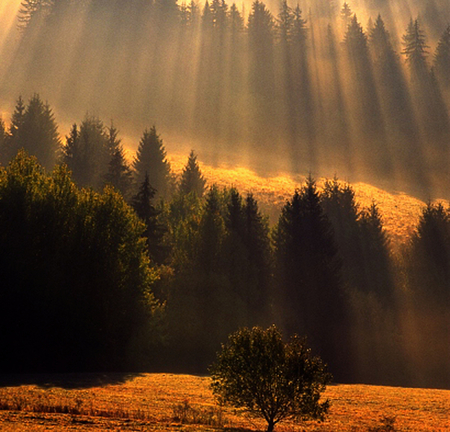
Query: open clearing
{"points": [[149, 402]]}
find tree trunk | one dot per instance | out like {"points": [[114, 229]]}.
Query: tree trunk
{"points": [[270, 425]]}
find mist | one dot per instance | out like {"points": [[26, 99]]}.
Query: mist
{"points": [[244, 86], [361, 91]]}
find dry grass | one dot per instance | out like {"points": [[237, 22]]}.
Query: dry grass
{"points": [[400, 211], [156, 402]]}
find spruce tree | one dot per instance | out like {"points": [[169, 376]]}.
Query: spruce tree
{"points": [[415, 49], [119, 174], [151, 160], [346, 14], [86, 152], [236, 20], [376, 254], [309, 274], [442, 59], [191, 178], [4, 151], [33, 128], [147, 212]]}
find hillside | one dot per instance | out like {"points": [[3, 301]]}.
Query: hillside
{"points": [[155, 402], [400, 211]]}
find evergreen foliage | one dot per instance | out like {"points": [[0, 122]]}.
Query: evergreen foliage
{"points": [[142, 204], [33, 128], [87, 152], [191, 178], [119, 174], [414, 47], [442, 58], [151, 161], [309, 273]]}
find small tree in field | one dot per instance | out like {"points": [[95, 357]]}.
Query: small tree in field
{"points": [[268, 378]]}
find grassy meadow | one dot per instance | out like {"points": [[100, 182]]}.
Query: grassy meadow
{"points": [[157, 402]]}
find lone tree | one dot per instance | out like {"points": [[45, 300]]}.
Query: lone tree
{"points": [[268, 378]]}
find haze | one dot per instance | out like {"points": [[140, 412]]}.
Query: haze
{"points": [[244, 92]]}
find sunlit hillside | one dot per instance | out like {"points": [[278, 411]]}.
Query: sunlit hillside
{"points": [[157, 402], [400, 211]]}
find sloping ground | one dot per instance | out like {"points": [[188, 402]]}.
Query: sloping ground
{"points": [[156, 402], [400, 211]]}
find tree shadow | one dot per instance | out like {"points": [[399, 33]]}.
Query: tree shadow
{"points": [[68, 381]]}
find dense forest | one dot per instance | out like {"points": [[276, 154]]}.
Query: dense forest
{"points": [[360, 88], [110, 264]]}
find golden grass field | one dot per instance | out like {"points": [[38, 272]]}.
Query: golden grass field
{"points": [[399, 210], [147, 402]]}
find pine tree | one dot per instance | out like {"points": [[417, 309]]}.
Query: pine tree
{"points": [[219, 14], [71, 152], [415, 48], [4, 151], [434, 116], [260, 31], [284, 23], [299, 30], [236, 20], [192, 179], [87, 153], [395, 98], [377, 260], [154, 232], [17, 118], [346, 14], [119, 174], [151, 160], [34, 129], [308, 273], [442, 59]]}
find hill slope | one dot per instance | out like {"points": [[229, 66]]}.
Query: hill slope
{"points": [[400, 211]]}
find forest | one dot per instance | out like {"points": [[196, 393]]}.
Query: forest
{"points": [[109, 261], [110, 264], [359, 88]]}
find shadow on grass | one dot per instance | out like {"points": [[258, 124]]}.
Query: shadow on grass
{"points": [[233, 429], [68, 381]]}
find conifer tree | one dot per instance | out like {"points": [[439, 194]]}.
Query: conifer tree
{"points": [[17, 118], [151, 160], [119, 174], [308, 273], [284, 23], [154, 232], [236, 20], [4, 151], [442, 59], [34, 128], [428, 97], [376, 255], [71, 154], [192, 179], [87, 153], [370, 124], [346, 14], [415, 48]]}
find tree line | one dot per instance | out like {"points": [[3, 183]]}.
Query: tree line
{"points": [[317, 84], [97, 276]]}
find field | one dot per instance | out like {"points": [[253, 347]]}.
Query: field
{"points": [[157, 402]]}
